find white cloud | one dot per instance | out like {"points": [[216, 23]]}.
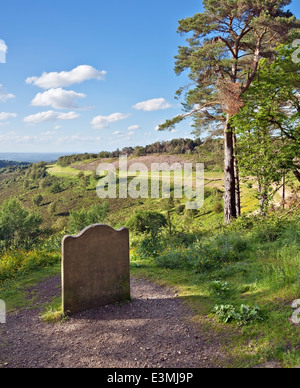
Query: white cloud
{"points": [[50, 116], [3, 46], [4, 96], [117, 133], [5, 115], [101, 122], [58, 99], [77, 139], [134, 128], [66, 78], [152, 105], [3, 51], [45, 138]]}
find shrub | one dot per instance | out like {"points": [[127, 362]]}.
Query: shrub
{"points": [[149, 248], [218, 207], [209, 255], [16, 263], [147, 222], [56, 188], [81, 219], [18, 227], [38, 199], [180, 209], [52, 208]]}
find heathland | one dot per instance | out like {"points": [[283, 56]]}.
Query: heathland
{"points": [[241, 278]]}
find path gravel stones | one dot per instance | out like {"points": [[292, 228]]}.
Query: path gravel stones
{"points": [[152, 331]]}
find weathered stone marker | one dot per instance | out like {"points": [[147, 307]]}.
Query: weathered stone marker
{"points": [[95, 268]]}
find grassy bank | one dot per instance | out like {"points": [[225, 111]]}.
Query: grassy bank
{"points": [[254, 264], [259, 272]]}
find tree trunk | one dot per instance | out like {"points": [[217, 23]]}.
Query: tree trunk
{"points": [[263, 198], [237, 180], [230, 189], [297, 174], [283, 191]]}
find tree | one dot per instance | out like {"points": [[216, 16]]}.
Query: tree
{"points": [[81, 219], [18, 226], [225, 45], [263, 156], [268, 126]]}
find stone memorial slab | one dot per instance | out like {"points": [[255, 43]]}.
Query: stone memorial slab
{"points": [[95, 268]]}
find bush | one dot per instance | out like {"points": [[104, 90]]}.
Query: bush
{"points": [[218, 207], [205, 256], [147, 222], [56, 188], [17, 263], [81, 219], [52, 208], [37, 200], [18, 227], [180, 209], [149, 248]]}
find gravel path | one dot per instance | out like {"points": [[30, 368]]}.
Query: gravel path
{"points": [[154, 331]]}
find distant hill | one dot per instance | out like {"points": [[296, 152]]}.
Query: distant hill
{"points": [[7, 163], [209, 152]]}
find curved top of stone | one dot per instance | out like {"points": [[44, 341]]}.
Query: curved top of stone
{"points": [[102, 227]]}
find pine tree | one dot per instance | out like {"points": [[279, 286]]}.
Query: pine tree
{"points": [[225, 45]]}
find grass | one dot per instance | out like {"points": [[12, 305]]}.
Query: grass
{"points": [[15, 292], [53, 312], [266, 275], [65, 172], [17, 263]]}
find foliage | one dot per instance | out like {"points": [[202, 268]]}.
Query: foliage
{"points": [[268, 125], [174, 146], [37, 200], [204, 256], [220, 288], [218, 57], [225, 313], [18, 227], [17, 263], [149, 247], [218, 207], [244, 316], [147, 222], [37, 171], [56, 188], [81, 219]]}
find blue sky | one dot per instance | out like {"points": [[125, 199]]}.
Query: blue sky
{"points": [[86, 76]]}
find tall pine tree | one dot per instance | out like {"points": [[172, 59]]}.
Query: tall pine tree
{"points": [[224, 46]]}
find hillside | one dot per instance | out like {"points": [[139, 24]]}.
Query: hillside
{"points": [[76, 191], [7, 163], [240, 280]]}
